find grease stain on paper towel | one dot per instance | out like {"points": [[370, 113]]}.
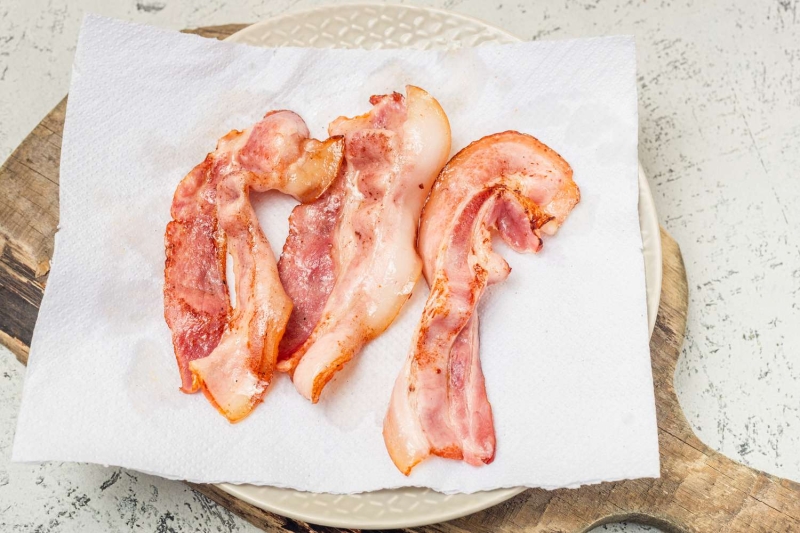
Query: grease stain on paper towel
{"points": [[148, 382]]}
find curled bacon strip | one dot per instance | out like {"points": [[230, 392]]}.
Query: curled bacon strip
{"points": [[350, 262], [231, 354], [513, 184]]}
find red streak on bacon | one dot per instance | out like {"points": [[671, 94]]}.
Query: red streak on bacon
{"points": [[195, 295], [512, 184], [231, 354]]}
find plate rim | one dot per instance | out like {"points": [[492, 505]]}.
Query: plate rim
{"points": [[648, 225], [375, 5], [493, 497]]}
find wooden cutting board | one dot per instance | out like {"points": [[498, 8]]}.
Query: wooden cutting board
{"points": [[699, 490]]}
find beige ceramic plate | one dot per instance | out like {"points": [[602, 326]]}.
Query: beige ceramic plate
{"points": [[389, 26]]}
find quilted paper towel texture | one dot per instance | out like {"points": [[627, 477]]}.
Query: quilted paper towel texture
{"points": [[564, 339]]}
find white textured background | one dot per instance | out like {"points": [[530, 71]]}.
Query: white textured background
{"points": [[720, 140]]}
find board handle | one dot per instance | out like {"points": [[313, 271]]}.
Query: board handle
{"points": [[699, 491]]}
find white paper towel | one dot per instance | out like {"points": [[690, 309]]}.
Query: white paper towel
{"points": [[564, 340]]}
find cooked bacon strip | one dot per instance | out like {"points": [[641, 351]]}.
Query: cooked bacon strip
{"points": [[513, 184], [350, 262], [195, 296], [231, 355]]}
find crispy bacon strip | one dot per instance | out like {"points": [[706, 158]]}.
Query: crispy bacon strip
{"points": [[350, 263], [513, 184], [231, 355]]}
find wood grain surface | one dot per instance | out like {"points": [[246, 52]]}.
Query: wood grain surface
{"points": [[699, 490]]}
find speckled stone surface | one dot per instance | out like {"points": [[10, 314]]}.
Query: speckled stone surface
{"points": [[720, 139]]}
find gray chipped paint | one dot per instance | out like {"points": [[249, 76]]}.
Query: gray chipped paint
{"points": [[719, 89], [150, 7]]}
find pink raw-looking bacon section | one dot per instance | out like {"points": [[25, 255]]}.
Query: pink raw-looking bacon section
{"points": [[350, 262], [509, 183], [195, 295], [231, 354], [306, 267]]}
